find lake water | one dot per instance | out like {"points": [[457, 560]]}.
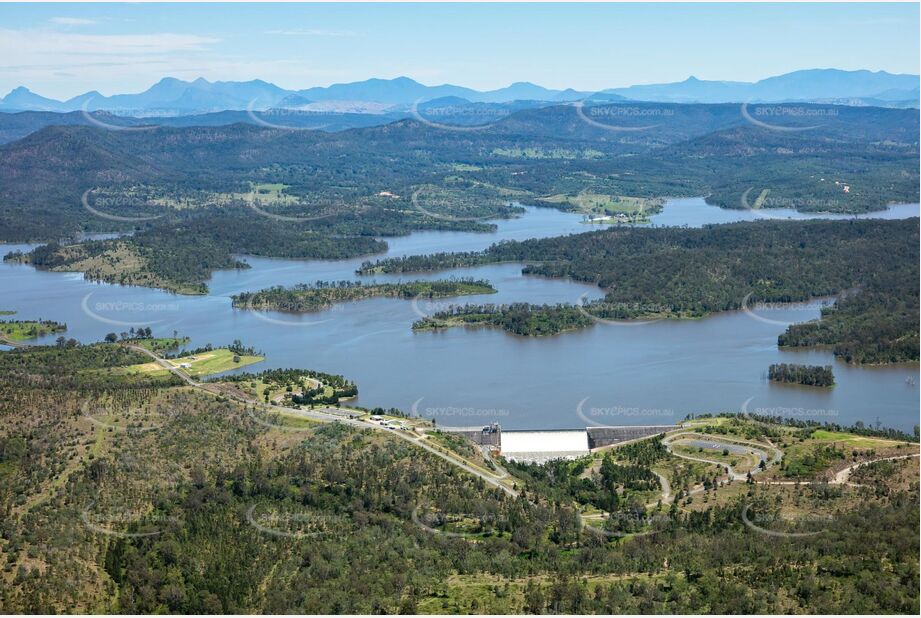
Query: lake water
{"points": [[695, 212], [609, 374]]}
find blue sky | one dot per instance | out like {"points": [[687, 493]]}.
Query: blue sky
{"points": [[61, 50]]}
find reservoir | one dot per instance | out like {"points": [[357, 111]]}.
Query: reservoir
{"points": [[608, 374]]}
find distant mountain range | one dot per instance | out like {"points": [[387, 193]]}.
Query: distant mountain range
{"points": [[808, 85], [171, 96]]}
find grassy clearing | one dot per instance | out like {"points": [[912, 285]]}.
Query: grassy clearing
{"points": [[215, 361], [545, 153], [20, 331], [466, 167], [265, 194], [160, 344], [195, 365], [296, 422], [121, 264], [824, 451], [854, 440], [608, 207]]}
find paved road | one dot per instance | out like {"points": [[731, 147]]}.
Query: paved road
{"points": [[331, 417], [487, 455], [735, 476]]}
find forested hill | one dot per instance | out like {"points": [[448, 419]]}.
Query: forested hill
{"points": [[123, 493], [677, 272], [557, 152]]}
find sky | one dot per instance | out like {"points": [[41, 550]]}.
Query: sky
{"points": [[61, 50]]}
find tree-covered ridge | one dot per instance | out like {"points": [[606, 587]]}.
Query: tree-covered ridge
{"points": [[181, 256], [516, 318], [676, 272], [871, 326], [807, 375], [426, 263], [164, 499], [68, 364], [364, 179], [324, 294]]}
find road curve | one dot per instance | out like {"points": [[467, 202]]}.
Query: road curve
{"points": [[843, 476], [733, 475], [495, 481], [666, 496]]}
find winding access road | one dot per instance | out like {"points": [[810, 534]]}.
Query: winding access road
{"points": [[329, 415]]}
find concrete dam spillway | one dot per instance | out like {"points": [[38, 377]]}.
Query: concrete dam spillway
{"points": [[542, 446]]}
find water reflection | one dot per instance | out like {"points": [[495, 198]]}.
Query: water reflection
{"points": [[712, 365]]}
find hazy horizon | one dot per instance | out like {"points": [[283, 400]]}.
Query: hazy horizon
{"points": [[61, 51]]}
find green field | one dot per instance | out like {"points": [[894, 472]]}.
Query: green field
{"points": [[852, 439], [196, 365], [215, 361], [161, 344], [20, 331], [619, 207]]}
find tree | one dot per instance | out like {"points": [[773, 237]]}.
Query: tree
{"points": [[111, 338]]}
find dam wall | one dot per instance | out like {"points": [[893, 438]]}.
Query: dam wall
{"points": [[541, 446], [606, 436], [489, 435]]}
